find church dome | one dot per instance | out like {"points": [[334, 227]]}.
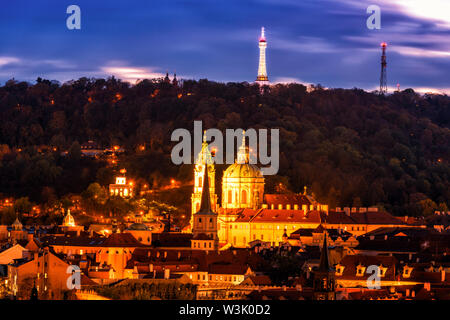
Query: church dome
{"points": [[69, 221], [17, 225], [242, 170]]}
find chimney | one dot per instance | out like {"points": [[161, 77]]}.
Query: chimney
{"points": [[166, 273]]}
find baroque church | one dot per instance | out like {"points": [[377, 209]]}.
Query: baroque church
{"points": [[245, 212]]}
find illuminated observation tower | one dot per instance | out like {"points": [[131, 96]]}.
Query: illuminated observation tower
{"points": [[262, 78]]}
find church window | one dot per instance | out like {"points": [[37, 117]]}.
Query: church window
{"points": [[230, 196], [200, 182], [244, 197], [360, 270]]}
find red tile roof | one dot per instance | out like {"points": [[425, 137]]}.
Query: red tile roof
{"points": [[285, 199]]}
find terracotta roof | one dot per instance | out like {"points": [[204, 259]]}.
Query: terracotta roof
{"points": [[246, 215], [294, 216], [291, 199], [121, 240], [368, 217], [350, 263], [227, 268], [202, 236]]}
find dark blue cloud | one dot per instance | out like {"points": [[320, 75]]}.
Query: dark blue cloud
{"points": [[316, 41]]}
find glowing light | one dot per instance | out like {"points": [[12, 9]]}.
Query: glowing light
{"points": [[123, 171]]}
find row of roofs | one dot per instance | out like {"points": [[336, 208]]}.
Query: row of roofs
{"points": [[315, 216], [115, 240]]}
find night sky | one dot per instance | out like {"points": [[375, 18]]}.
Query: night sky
{"points": [[309, 41]]}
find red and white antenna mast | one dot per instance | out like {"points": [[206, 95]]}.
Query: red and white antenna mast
{"points": [[383, 82]]}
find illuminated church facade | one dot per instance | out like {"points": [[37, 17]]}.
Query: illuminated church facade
{"points": [[246, 214]]}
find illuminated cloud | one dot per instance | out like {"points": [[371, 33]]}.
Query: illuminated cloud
{"points": [[286, 80], [8, 60], [131, 74], [435, 11]]}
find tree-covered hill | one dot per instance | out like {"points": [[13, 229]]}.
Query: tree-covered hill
{"points": [[349, 147]]}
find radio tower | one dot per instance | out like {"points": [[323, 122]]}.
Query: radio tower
{"points": [[262, 78], [383, 84]]}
